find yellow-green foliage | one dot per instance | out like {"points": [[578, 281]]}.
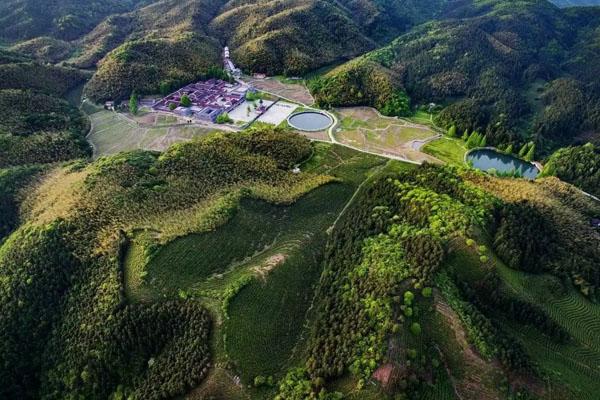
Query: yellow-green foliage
{"points": [[143, 64], [162, 19], [290, 36], [45, 48], [44, 78], [74, 253], [566, 213]]}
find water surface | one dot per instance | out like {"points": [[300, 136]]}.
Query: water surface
{"points": [[489, 159], [310, 121]]}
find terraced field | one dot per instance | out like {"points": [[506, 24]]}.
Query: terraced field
{"points": [[114, 132], [257, 272], [364, 128], [576, 365]]}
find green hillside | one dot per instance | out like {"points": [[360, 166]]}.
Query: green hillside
{"points": [[579, 165], [67, 19], [148, 66], [515, 71], [576, 3], [72, 253], [258, 262], [430, 228]]}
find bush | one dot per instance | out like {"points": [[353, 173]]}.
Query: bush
{"points": [[185, 101], [415, 328], [224, 118]]}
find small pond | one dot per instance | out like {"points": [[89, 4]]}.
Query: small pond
{"points": [[310, 121], [489, 159]]}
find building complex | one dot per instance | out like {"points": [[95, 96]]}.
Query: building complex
{"points": [[208, 99]]}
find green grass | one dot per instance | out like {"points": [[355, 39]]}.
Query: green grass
{"points": [[347, 164], [451, 151], [422, 117], [286, 80]]}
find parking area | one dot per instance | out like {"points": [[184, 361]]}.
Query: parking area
{"points": [[278, 113], [248, 110]]}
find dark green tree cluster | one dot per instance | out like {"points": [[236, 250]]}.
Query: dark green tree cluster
{"points": [[488, 337], [43, 78], [361, 82], [12, 180], [476, 140], [525, 239], [578, 165], [143, 65], [276, 143], [404, 223], [66, 19], [491, 296], [545, 227], [39, 128], [485, 68], [134, 103]]}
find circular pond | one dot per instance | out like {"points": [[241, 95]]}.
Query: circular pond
{"points": [[491, 160], [310, 121]]}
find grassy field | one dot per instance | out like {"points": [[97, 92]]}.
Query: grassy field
{"points": [[451, 151], [422, 117], [113, 132], [364, 128]]}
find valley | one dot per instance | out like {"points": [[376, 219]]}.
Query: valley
{"points": [[299, 200]]}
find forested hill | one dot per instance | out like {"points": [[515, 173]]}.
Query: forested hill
{"points": [[130, 40], [576, 3], [517, 71], [65, 19], [66, 329]]}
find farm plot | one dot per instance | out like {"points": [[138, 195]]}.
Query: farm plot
{"points": [[364, 128], [113, 132], [267, 315], [574, 365], [296, 92]]}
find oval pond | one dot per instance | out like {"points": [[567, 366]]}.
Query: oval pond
{"points": [[488, 159], [310, 121]]}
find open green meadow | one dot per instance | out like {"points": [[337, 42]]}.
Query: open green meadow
{"points": [[422, 117], [447, 149]]}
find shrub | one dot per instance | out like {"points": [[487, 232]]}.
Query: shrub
{"points": [[415, 328], [224, 118], [185, 101]]}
